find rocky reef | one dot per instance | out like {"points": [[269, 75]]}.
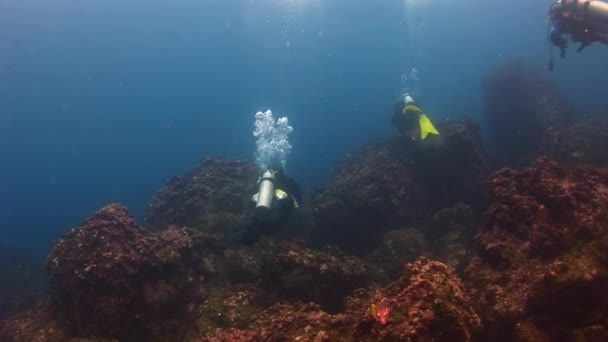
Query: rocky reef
{"points": [[110, 278], [372, 192], [521, 106], [427, 303], [395, 248], [214, 197], [540, 272], [324, 277]]}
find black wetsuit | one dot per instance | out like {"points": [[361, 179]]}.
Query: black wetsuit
{"points": [[406, 124]]}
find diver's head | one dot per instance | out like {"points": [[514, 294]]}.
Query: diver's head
{"points": [[276, 169]]}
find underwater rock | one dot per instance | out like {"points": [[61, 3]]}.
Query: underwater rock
{"points": [[585, 142], [521, 105], [23, 284], [452, 166], [36, 325], [214, 197], [396, 183], [372, 192], [397, 249], [541, 267], [452, 230], [242, 265], [427, 303], [111, 278], [457, 218], [289, 322], [228, 307], [325, 277]]}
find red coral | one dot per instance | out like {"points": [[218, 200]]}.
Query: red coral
{"points": [[542, 251], [427, 303]]}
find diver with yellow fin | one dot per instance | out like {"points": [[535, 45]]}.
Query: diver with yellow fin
{"points": [[409, 118]]}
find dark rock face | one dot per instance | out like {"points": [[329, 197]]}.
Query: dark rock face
{"points": [[452, 166], [585, 142], [372, 192], [397, 183], [541, 269], [111, 278], [521, 106], [452, 230], [23, 284], [324, 277], [213, 197], [398, 248]]}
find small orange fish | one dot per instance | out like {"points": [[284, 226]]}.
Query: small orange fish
{"points": [[380, 312]]}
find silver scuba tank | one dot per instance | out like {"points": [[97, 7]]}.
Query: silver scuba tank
{"points": [[593, 12], [265, 192]]}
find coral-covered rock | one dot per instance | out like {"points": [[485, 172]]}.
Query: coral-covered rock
{"points": [[585, 142], [289, 323], [324, 277], [372, 192], [37, 325], [213, 197], [521, 105], [428, 303], [541, 265], [111, 278], [397, 249], [230, 307]]}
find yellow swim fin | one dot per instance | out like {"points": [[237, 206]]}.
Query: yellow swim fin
{"points": [[426, 127]]}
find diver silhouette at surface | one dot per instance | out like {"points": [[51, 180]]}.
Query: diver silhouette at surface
{"points": [[585, 21]]}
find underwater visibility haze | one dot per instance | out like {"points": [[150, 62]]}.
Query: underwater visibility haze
{"points": [[197, 113]]}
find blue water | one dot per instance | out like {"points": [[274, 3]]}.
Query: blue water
{"points": [[104, 100]]}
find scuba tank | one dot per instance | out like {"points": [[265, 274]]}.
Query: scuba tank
{"points": [[265, 192], [592, 12], [408, 99]]}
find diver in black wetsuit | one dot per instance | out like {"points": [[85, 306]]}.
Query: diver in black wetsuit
{"points": [[585, 21], [277, 197]]}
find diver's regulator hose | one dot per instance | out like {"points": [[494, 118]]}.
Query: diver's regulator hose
{"points": [[265, 191]]}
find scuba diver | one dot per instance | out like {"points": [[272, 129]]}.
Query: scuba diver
{"points": [[409, 118], [277, 197], [586, 21]]}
